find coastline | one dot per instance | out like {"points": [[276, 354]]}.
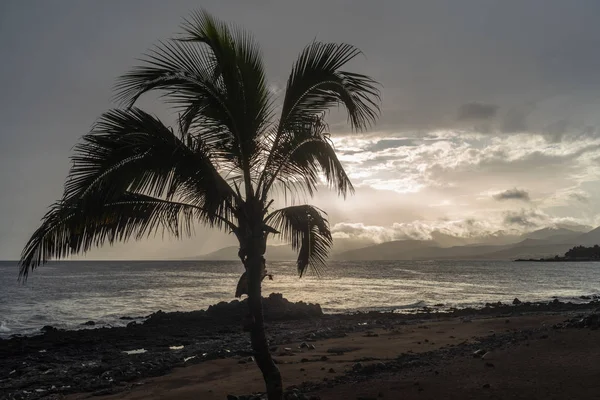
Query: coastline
{"points": [[60, 363]]}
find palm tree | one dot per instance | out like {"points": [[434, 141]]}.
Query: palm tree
{"points": [[132, 176]]}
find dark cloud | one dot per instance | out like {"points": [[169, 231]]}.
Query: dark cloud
{"points": [[557, 129], [525, 218], [476, 112], [515, 121], [512, 194]]}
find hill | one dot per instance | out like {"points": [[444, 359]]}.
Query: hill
{"points": [[542, 243], [385, 251], [274, 253]]}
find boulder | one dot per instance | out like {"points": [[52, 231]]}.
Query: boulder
{"points": [[48, 329], [275, 307]]}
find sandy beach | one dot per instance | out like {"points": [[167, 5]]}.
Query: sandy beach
{"points": [[527, 357], [528, 351]]}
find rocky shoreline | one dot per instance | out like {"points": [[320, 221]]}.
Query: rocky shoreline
{"points": [[109, 360]]}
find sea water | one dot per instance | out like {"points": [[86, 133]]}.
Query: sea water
{"points": [[67, 294]]}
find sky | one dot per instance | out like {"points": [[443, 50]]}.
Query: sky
{"points": [[489, 120]]}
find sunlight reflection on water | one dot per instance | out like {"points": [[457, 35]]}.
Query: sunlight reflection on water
{"points": [[68, 294]]}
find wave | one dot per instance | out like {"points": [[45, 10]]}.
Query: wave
{"points": [[4, 328]]}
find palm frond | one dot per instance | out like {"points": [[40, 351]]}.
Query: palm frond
{"points": [[306, 228], [132, 150], [74, 226], [316, 84], [305, 153], [239, 66], [186, 75]]}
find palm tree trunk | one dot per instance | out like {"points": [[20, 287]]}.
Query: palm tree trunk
{"points": [[269, 370]]}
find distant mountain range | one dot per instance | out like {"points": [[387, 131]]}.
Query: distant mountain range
{"points": [[546, 242]]}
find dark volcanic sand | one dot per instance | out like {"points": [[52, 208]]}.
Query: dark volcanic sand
{"points": [[93, 361]]}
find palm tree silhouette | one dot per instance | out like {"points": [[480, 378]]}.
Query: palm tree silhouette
{"points": [[132, 176]]}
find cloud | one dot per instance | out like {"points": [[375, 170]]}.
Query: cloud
{"points": [[422, 229], [512, 194], [515, 121], [581, 197], [526, 218], [385, 144], [476, 112]]}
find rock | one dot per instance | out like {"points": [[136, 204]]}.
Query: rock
{"points": [[324, 358], [232, 397], [357, 367], [591, 321], [132, 324], [487, 356], [89, 323], [516, 301], [48, 329], [275, 307], [303, 345], [486, 385], [311, 347], [489, 364], [304, 360], [331, 371]]}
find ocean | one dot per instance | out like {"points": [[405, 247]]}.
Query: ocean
{"points": [[67, 294]]}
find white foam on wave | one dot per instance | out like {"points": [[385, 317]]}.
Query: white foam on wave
{"points": [[3, 327], [136, 351]]}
